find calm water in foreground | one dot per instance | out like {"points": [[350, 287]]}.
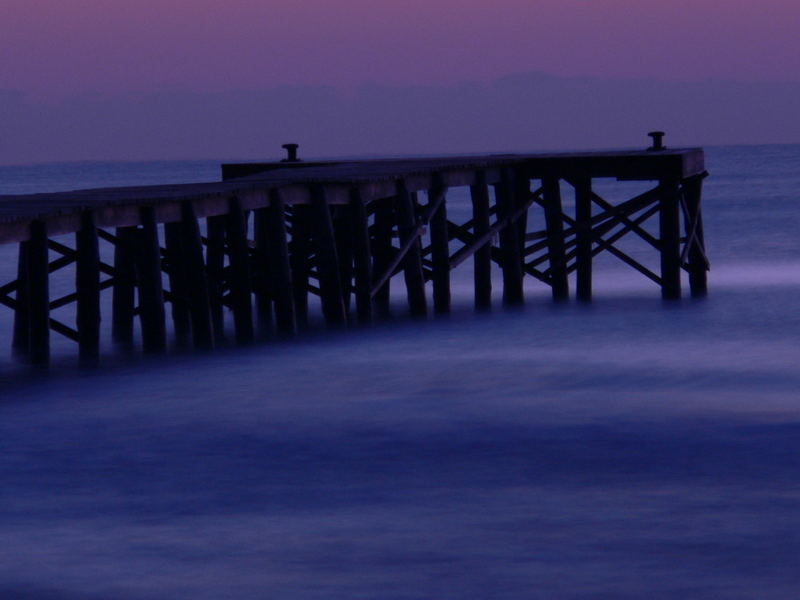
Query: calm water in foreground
{"points": [[626, 449]]}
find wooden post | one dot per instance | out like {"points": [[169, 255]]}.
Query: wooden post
{"points": [[440, 251], [215, 270], [509, 242], [583, 238], [383, 252], [151, 295], [522, 191], [22, 322], [87, 285], [479, 194], [412, 262], [299, 258], [361, 257], [280, 268], [669, 237], [698, 263], [39, 294], [262, 286], [240, 272], [327, 259], [178, 282], [343, 230], [199, 307], [555, 238], [124, 292]]}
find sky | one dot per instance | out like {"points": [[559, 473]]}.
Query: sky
{"points": [[153, 79], [66, 47]]}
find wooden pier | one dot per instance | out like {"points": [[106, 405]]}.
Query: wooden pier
{"points": [[253, 247]]}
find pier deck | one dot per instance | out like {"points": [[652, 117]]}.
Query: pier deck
{"points": [[341, 230]]}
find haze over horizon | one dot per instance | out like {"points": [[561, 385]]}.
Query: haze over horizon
{"points": [[93, 80]]}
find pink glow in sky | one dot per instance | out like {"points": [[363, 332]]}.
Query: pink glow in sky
{"points": [[68, 46]]}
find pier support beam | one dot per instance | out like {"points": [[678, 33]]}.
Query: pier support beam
{"points": [[199, 307], [87, 285], [262, 283], [21, 343], [299, 251], [479, 193], [583, 238], [151, 294], [215, 271], [343, 230], [555, 236], [327, 259], [279, 266], [509, 240], [240, 272], [697, 261], [440, 249], [39, 294], [124, 292], [669, 239], [362, 262], [383, 252], [522, 191], [412, 262], [180, 291]]}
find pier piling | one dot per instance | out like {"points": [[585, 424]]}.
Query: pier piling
{"points": [[481, 216], [124, 292], [342, 231], [87, 284]]}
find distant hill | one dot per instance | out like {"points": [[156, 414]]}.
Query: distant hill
{"points": [[530, 111]]}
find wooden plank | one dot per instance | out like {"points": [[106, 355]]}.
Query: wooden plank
{"points": [[669, 237], [151, 295], [412, 259], [38, 294], [327, 259], [87, 285], [199, 306], [362, 260], [124, 289], [241, 302], [479, 194], [280, 267]]}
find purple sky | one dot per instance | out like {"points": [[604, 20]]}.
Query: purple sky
{"points": [[63, 47], [107, 79]]}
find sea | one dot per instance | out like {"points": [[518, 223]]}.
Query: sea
{"points": [[628, 448]]}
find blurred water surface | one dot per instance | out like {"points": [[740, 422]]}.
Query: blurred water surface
{"points": [[624, 449]]}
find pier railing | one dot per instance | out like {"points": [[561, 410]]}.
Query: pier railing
{"points": [[255, 245]]}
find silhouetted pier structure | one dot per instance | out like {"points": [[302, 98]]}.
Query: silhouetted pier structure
{"points": [[255, 245]]}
